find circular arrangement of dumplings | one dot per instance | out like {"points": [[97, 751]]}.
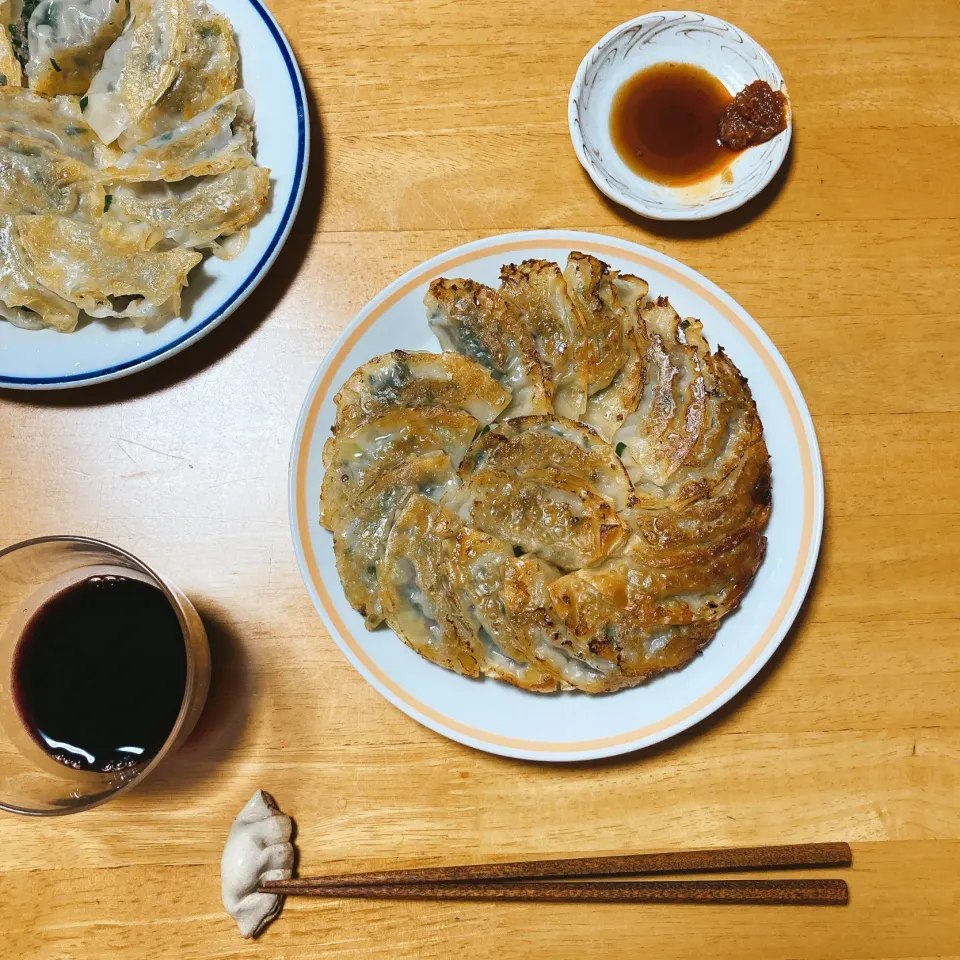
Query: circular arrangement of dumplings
{"points": [[126, 149], [571, 496]]}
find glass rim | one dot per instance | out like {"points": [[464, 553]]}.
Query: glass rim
{"points": [[185, 703]]}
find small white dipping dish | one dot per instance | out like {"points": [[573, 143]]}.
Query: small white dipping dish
{"points": [[678, 37]]}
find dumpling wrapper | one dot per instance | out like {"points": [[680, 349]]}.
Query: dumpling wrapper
{"points": [[543, 636], [258, 848], [672, 416], [23, 300], [475, 321], [592, 625], [215, 141], [138, 68], [722, 491], [478, 568], [650, 619], [538, 293], [417, 591], [76, 261], [354, 457], [191, 213], [208, 72], [420, 379], [545, 512], [56, 120], [607, 409], [67, 42], [11, 74], [35, 177], [527, 444], [360, 532], [590, 284]]}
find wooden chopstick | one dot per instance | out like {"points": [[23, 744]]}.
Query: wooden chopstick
{"points": [[823, 892], [688, 861]]}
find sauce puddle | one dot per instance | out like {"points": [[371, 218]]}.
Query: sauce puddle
{"points": [[664, 124]]}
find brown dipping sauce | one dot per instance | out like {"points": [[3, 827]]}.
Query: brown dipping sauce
{"points": [[665, 122]]}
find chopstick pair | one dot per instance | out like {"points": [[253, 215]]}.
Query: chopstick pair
{"points": [[525, 880]]}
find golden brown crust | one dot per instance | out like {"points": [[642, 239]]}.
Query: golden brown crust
{"points": [[563, 556]]}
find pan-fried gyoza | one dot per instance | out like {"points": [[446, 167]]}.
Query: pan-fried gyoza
{"points": [[126, 146], [572, 496]]}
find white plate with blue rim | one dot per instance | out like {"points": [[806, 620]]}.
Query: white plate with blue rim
{"points": [[104, 350], [672, 36]]}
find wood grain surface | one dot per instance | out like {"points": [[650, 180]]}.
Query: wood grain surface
{"points": [[437, 122]]}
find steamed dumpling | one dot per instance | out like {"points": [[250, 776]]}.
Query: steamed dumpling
{"points": [[138, 68], [212, 142], [24, 301], [545, 512], [68, 40], [475, 321], [75, 261], [194, 213], [355, 456], [207, 73], [538, 293], [360, 532], [420, 379], [527, 444]]}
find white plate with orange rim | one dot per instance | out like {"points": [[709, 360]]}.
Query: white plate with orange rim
{"points": [[677, 36], [105, 350], [493, 716]]}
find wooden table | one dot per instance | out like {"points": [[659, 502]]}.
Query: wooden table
{"points": [[436, 122]]}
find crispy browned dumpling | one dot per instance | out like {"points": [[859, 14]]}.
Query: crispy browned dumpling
{"points": [[538, 293], [443, 587], [206, 73], [643, 614], [527, 444], [24, 301], [591, 287], [479, 565], [420, 379], [355, 456], [546, 512], [361, 530], [67, 40], [10, 71], [36, 177], [475, 321], [417, 590], [544, 638], [101, 276], [129, 149], [587, 554], [608, 408]]}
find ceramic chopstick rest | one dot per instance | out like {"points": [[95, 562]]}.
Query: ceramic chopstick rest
{"points": [[257, 849]]}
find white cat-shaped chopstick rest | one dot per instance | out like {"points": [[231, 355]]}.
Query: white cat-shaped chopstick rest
{"points": [[258, 848]]}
